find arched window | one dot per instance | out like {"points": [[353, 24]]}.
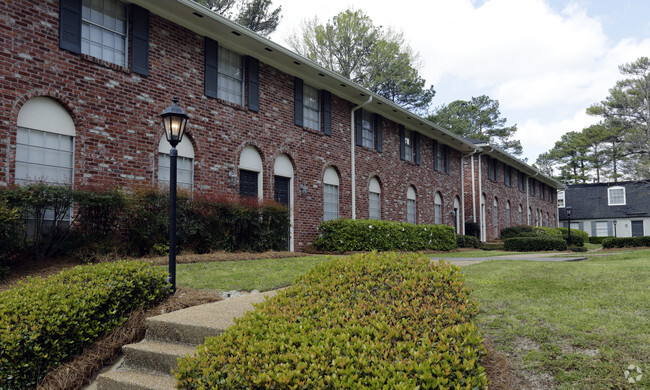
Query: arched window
{"points": [[374, 199], [184, 163], [250, 173], [437, 209], [330, 194], [44, 143], [411, 205], [508, 213]]}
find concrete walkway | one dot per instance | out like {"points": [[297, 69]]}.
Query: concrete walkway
{"points": [[546, 256]]}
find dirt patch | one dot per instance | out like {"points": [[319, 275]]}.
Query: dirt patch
{"points": [[497, 369], [81, 369]]}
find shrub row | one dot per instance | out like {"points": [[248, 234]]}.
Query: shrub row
{"points": [[136, 221], [533, 244], [467, 241], [492, 246], [597, 240], [343, 235], [365, 321], [43, 322], [578, 237], [626, 242]]}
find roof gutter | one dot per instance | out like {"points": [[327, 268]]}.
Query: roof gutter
{"points": [[353, 171]]}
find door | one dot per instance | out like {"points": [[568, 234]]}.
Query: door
{"points": [[248, 183], [282, 195], [637, 228]]}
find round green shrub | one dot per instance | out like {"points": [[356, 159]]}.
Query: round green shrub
{"points": [[534, 244], [464, 241]]}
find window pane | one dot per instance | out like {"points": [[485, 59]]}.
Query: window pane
{"points": [[231, 80], [43, 156], [103, 30], [331, 202], [410, 211], [184, 171], [367, 130], [375, 205]]}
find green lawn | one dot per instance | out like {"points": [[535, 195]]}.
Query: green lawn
{"points": [[476, 253], [581, 322], [262, 275]]}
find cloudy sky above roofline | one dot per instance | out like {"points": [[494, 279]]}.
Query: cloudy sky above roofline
{"points": [[545, 61]]}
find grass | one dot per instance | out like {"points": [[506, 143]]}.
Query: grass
{"points": [[582, 323], [476, 253], [262, 275]]}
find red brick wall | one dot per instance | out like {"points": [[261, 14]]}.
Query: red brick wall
{"points": [[116, 114], [504, 193]]}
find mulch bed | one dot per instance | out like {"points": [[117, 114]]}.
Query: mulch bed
{"points": [[80, 370]]}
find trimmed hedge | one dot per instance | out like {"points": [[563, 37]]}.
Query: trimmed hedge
{"points": [[577, 232], [467, 241], [44, 322], [344, 235], [393, 321], [533, 244], [517, 231], [576, 239], [492, 246], [626, 242], [597, 240]]}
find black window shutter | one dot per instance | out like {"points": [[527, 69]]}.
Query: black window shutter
{"points": [[211, 67], [379, 133], [253, 81], [70, 25], [436, 165], [402, 135], [140, 40], [446, 156], [358, 131], [298, 108], [326, 97], [416, 147]]}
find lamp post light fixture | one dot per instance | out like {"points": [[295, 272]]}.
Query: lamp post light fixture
{"points": [[614, 222], [569, 209], [174, 121]]}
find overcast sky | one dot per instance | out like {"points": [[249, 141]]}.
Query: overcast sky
{"points": [[545, 61]]}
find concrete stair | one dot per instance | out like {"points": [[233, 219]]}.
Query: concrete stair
{"points": [[148, 365]]}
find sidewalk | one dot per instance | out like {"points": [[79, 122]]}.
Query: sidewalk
{"points": [[546, 256]]}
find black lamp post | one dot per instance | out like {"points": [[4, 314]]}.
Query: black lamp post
{"points": [[614, 222], [174, 121], [569, 209]]}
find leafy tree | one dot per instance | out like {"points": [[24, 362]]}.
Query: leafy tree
{"points": [[628, 108], [377, 58], [252, 14], [480, 119]]}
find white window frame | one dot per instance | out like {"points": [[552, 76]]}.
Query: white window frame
{"points": [[560, 199], [106, 33], [184, 163], [374, 199], [409, 152], [230, 73], [437, 209], [311, 107], [411, 205], [508, 213], [330, 194], [614, 200], [367, 129]]}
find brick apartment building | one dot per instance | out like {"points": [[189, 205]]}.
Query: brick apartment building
{"points": [[84, 82]]}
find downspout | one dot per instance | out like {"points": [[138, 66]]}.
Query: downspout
{"points": [[353, 171]]}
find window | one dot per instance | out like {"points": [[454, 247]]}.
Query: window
{"points": [[230, 84], [456, 215], [495, 218], [542, 191], [507, 175], [531, 186], [522, 182], [560, 199], [374, 201], [103, 30], [311, 107], [492, 169], [411, 206], [508, 214], [520, 217], [529, 216], [408, 145], [367, 129], [437, 209], [184, 163], [440, 157], [330, 194], [44, 143], [616, 196]]}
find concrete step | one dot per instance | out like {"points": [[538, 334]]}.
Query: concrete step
{"points": [[135, 380], [161, 357], [194, 324]]}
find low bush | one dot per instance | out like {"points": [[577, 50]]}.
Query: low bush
{"points": [[11, 234], [365, 321], [597, 240], [577, 232], [516, 231], [467, 241], [492, 246], [626, 242], [548, 231], [534, 244], [578, 249], [44, 322], [344, 235], [473, 229], [576, 239]]}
